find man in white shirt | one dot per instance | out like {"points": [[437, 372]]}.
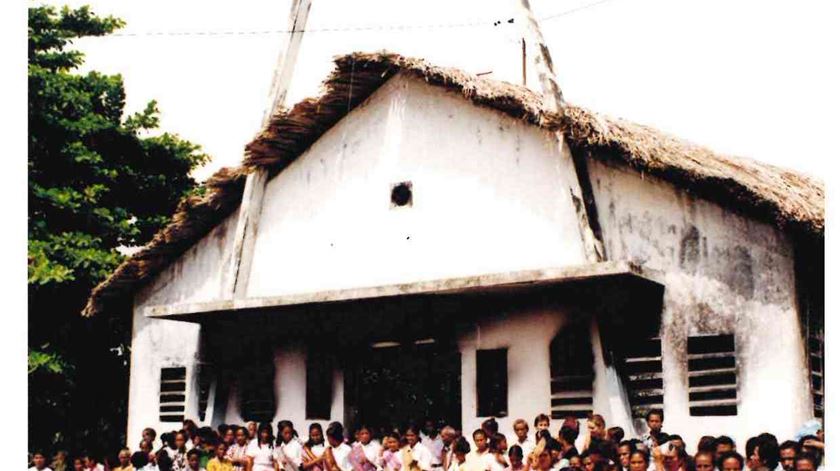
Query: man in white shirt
{"points": [[520, 428], [40, 462], [431, 439], [338, 450]]}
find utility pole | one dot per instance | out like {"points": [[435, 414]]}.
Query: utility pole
{"points": [[252, 196], [580, 187]]}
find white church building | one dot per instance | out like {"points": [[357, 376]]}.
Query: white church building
{"points": [[409, 247]]}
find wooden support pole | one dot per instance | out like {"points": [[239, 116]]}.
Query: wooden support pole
{"points": [[252, 197], [579, 184]]}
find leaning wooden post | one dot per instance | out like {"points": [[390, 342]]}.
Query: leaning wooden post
{"points": [[553, 102], [252, 196]]}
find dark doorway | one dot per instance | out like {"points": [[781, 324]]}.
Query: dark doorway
{"points": [[390, 384]]}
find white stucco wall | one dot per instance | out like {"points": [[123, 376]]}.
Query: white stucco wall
{"points": [[197, 276], [723, 273], [488, 197], [527, 335]]}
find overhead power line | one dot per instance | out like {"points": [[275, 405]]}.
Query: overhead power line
{"points": [[354, 28]]}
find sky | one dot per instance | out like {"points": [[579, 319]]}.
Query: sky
{"points": [[743, 77]]}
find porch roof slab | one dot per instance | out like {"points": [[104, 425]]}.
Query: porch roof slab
{"points": [[490, 283]]}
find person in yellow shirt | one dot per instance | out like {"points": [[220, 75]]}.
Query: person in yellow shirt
{"points": [[220, 462], [125, 461]]}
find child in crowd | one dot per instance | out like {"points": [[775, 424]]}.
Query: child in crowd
{"points": [[124, 458], [415, 456], [313, 449], [289, 450], [261, 453], [220, 462], [39, 462], [337, 454], [366, 450], [238, 452], [515, 457], [194, 460]]}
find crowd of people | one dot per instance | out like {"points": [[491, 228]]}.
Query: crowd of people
{"points": [[254, 447]]}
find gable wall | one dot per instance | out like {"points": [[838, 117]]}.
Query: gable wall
{"points": [[488, 197]]}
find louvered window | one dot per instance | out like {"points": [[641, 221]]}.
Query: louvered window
{"points": [[712, 375], [572, 372], [816, 360], [173, 388], [642, 372]]}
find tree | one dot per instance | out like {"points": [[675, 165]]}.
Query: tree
{"points": [[98, 182]]}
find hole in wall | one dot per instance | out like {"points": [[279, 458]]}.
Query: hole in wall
{"points": [[401, 194]]}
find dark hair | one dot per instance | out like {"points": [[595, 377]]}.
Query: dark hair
{"points": [[571, 453], [413, 427], [309, 443], [568, 434], [285, 424], [706, 443], [816, 454], [164, 462], [479, 431], [553, 445], [139, 459], [491, 426], [223, 429], [541, 418], [728, 455], [190, 427], [658, 412], [752, 442], [708, 453], [544, 434], [616, 434], [180, 432], [768, 449], [265, 426], [151, 430], [462, 445], [335, 431], [516, 450], [193, 452], [724, 440], [644, 454], [495, 440], [804, 455], [789, 444], [167, 438]]}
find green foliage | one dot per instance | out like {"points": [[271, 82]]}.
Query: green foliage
{"points": [[97, 182]]}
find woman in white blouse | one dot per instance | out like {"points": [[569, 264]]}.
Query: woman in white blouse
{"points": [[366, 451], [261, 452], [289, 449], [313, 449], [337, 453]]}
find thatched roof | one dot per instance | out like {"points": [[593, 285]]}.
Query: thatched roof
{"points": [[791, 201]]}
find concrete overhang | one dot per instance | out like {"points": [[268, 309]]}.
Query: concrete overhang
{"points": [[508, 282]]}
